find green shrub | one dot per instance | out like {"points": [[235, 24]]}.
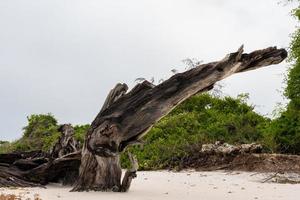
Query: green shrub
{"points": [[80, 132], [40, 134], [200, 119], [4, 146], [283, 133]]}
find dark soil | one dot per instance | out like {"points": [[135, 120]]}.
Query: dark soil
{"points": [[258, 162]]}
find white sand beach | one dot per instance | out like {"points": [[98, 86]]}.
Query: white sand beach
{"points": [[188, 185]]}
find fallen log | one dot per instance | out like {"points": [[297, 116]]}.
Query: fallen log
{"points": [[36, 168], [10, 158]]}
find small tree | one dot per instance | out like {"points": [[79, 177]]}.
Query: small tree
{"points": [[40, 133]]}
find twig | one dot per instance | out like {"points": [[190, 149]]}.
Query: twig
{"points": [[269, 178]]}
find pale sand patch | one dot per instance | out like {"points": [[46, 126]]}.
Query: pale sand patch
{"points": [[186, 185]]}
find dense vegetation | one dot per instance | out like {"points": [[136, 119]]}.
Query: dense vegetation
{"points": [[284, 131], [200, 119], [41, 133], [203, 117]]}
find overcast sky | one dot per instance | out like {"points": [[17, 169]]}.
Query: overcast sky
{"points": [[63, 56]]}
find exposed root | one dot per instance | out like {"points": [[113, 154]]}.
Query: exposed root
{"points": [[283, 178], [130, 173]]}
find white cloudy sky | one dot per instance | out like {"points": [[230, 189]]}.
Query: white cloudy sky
{"points": [[63, 56]]}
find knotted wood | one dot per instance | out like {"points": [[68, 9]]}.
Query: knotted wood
{"points": [[66, 143]]}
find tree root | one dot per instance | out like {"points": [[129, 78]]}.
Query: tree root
{"points": [[130, 173]]}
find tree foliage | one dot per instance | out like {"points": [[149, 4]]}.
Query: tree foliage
{"points": [[80, 132], [284, 131], [40, 134], [200, 119]]}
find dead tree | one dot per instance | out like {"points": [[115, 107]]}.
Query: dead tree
{"points": [[66, 143], [126, 117], [36, 168]]}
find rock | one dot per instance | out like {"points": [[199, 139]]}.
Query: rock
{"points": [[225, 148]]}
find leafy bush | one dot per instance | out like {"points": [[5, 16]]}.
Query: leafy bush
{"points": [[40, 134], [80, 132], [200, 119], [4, 146], [283, 133]]}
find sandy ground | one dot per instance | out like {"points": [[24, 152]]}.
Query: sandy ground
{"points": [[186, 185]]}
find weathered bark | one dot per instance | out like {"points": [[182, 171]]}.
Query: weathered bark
{"points": [[10, 158], [27, 169], [129, 174], [29, 174], [106, 170], [66, 143], [55, 170], [126, 117]]}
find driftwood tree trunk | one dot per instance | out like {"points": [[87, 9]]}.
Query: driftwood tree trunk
{"points": [[126, 117], [39, 168]]}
